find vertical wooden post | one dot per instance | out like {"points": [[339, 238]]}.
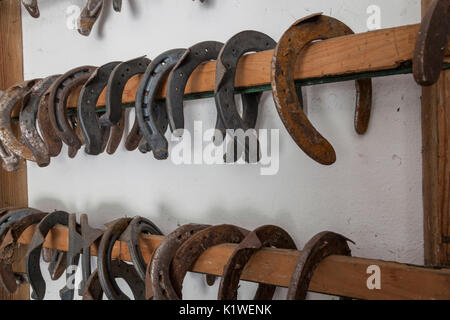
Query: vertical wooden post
{"points": [[436, 168], [13, 186]]}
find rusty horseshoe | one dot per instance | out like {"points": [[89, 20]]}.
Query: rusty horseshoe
{"points": [[315, 251], [292, 43]]}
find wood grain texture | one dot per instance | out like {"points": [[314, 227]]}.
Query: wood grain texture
{"points": [[13, 186], [436, 168], [370, 51], [336, 275]]}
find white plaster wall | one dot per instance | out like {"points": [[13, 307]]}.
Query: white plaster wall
{"points": [[372, 194]]}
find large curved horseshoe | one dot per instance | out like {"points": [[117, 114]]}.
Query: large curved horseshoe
{"points": [[431, 43], [51, 140], [59, 93], [152, 116], [33, 268], [315, 251], [94, 134], [234, 48], [291, 44], [11, 100], [158, 285], [131, 236], [265, 236], [89, 16], [116, 85], [107, 280], [191, 250], [178, 78], [8, 249], [28, 119], [32, 7], [119, 269]]}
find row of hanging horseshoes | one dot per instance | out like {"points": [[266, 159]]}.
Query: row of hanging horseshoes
{"points": [[162, 277], [45, 123]]}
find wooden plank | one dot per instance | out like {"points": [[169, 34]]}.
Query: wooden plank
{"points": [[371, 51], [336, 275], [13, 186], [436, 168]]}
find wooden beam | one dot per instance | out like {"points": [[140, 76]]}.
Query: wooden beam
{"points": [[436, 168], [365, 52], [336, 275], [13, 186]]}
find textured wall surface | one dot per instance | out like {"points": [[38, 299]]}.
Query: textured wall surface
{"points": [[372, 194]]}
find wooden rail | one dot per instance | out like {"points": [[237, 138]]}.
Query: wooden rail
{"points": [[384, 49], [336, 275]]}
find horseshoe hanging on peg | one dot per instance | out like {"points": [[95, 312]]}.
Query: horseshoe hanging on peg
{"points": [[152, 116], [315, 251], [431, 43], [28, 120], [114, 113], [291, 45], [10, 101], [57, 105], [95, 135], [89, 16]]}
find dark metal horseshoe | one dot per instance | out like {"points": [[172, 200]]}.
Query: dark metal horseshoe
{"points": [[238, 45], [8, 248], [431, 43], [32, 7], [27, 119], [158, 284], [291, 44], [93, 132], [10, 100], [116, 85], [119, 269], [107, 281], [315, 251], [51, 140], [33, 268], [90, 236], [191, 250], [131, 236], [265, 236], [178, 78], [89, 16], [59, 93], [152, 116]]}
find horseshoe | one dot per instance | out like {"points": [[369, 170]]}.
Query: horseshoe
{"points": [[9, 246], [288, 49], [94, 134], [27, 119], [131, 236], [191, 250], [107, 281], [32, 7], [119, 269], [262, 237], [89, 16], [158, 284], [59, 93], [152, 116], [33, 268], [178, 78], [431, 43], [90, 236], [10, 101], [51, 140], [238, 45], [315, 251], [10, 162], [116, 85], [117, 5]]}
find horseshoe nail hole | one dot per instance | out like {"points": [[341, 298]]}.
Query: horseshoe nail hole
{"points": [[267, 44], [118, 83], [128, 69], [206, 50], [88, 102], [181, 74], [289, 39], [123, 75], [163, 63], [177, 89]]}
